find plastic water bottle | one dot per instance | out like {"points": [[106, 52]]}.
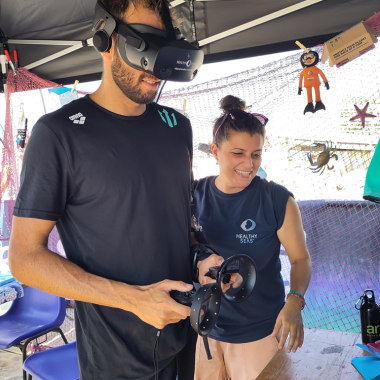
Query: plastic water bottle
{"points": [[369, 316]]}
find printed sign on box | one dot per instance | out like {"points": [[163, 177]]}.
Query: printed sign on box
{"points": [[349, 45]]}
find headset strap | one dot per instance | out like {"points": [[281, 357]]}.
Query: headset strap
{"points": [[102, 15], [112, 24], [168, 21], [192, 24]]}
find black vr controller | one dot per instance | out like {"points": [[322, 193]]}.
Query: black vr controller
{"points": [[241, 264], [225, 276], [184, 298], [205, 303], [205, 306]]}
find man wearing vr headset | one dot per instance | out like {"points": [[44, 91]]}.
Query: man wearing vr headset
{"points": [[112, 172]]}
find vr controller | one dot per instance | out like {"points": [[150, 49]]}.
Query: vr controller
{"points": [[205, 303], [186, 298], [225, 276]]}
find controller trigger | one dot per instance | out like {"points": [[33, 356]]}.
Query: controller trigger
{"points": [[213, 272]]}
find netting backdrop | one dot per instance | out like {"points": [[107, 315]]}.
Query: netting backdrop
{"points": [[342, 230], [27, 92]]}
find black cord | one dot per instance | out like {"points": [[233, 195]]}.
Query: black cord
{"points": [[155, 355], [160, 91]]}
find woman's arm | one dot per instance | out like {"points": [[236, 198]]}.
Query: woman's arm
{"points": [[292, 237]]}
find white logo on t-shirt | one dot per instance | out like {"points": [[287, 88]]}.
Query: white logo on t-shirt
{"points": [[248, 225], [78, 118]]}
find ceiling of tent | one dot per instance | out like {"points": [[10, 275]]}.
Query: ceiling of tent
{"points": [[313, 23]]}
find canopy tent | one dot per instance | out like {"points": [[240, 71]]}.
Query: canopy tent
{"points": [[53, 39]]}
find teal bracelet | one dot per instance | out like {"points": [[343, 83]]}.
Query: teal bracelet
{"points": [[295, 292]]}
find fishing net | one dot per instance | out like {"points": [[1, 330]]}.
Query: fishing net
{"points": [[342, 230], [28, 94]]}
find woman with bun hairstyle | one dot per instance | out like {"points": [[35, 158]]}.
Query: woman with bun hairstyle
{"points": [[240, 213]]}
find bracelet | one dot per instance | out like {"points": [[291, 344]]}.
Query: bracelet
{"points": [[301, 300], [295, 292]]}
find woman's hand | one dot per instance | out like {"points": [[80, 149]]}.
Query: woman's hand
{"points": [[204, 265], [214, 261], [290, 319]]}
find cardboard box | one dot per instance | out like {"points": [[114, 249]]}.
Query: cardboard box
{"points": [[349, 45]]}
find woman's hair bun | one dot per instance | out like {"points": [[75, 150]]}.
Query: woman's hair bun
{"points": [[231, 102]]}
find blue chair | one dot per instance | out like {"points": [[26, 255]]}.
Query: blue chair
{"points": [[58, 363], [30, 317]]}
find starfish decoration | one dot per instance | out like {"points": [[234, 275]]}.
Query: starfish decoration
{"points": [[362, 114]]}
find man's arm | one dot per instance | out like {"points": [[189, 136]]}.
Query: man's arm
{"points": [[33, 264]]}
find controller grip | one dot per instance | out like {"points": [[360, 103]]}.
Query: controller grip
{"points": [[184, 298]]}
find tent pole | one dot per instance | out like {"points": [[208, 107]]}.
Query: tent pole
{"points": [[176, 2], [42, 42], [258, 21], [60, 54]]}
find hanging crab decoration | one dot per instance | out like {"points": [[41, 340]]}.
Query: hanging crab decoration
{"points": [[205, 148], [328, 152]]}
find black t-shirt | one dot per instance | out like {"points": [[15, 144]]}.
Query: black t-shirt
{"points": [[119, 189], [246, 223]]}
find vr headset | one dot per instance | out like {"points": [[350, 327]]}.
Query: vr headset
{"points": [[164, 54]]}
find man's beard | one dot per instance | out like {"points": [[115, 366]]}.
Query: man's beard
{"points": [[124, 78]]}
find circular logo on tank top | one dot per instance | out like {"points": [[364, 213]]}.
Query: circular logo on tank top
{"points": [[248, 225], [310, 73]]}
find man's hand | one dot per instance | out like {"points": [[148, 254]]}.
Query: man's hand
{"points": [[157, 308], [290, 319], [33, 264], [215, 261]]}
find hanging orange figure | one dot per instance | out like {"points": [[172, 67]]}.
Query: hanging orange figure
{"points": [[310, 78]]}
